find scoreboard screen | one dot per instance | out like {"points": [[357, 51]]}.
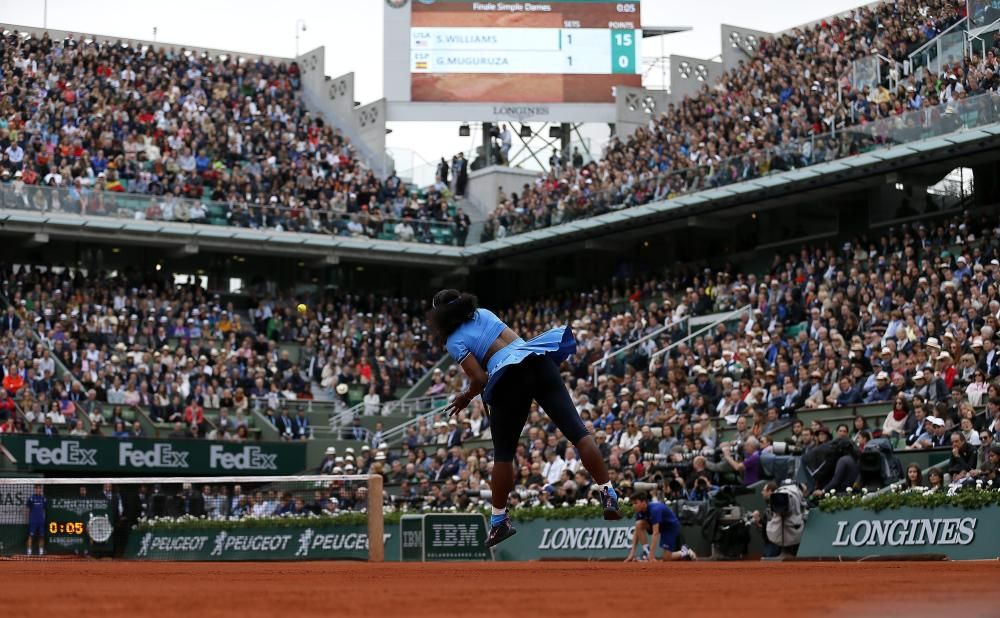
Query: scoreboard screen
{"points": [[559, 51]]}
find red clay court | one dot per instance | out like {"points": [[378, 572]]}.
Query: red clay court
{"points": [[572, 589]]}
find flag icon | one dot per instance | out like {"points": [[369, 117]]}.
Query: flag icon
{"points": [[421, 64]]}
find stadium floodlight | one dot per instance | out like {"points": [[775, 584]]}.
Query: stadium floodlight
{"points": [[300, 26]]}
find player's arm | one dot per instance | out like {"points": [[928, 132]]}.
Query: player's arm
{"points": [[477, 382], [654, 542], [635, 542]]}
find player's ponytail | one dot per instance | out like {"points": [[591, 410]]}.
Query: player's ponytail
{"points": [[449, 310]]}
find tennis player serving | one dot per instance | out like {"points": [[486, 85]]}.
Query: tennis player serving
{"points": [[509, 373]]}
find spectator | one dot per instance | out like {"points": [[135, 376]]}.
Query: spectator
{"points": [[914, 477], [120, 431], [78, 429], [373, 404], [894, 425], [180, 431], [935, 480], [963, 455], [48, 428]]}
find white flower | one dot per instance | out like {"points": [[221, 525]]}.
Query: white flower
{"points": [[850, 490]]}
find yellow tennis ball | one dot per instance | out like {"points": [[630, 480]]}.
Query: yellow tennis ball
{"points": [[301, 308]]}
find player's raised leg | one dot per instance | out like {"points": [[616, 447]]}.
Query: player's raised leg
{"points": [[552, 396]]}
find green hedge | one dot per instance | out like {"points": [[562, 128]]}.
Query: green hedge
{"points": [[356, 518], [969, 498]]}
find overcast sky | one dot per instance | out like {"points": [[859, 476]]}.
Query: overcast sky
{"points": [[351, 32]]}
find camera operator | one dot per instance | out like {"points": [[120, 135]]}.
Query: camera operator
{"points": [[783, 520], [674, 490], [750, 466], [702, 490], [803, 442], [837, 467]]}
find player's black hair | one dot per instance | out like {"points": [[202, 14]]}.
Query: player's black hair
{"points": [[449, 310], [640, 496]]}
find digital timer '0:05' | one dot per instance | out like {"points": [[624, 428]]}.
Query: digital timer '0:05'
{"points": [[72, 527]]}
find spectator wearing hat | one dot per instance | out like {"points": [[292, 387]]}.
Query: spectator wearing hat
{"points": [[946, 369], [454, 435], [329, 461], [935, 435], [882, 391], [929, 387]]}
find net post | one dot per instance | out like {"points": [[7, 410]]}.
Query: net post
{"points": [[376, 520]]}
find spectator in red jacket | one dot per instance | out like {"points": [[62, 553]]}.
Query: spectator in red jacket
{"points": [[13, 381], [194, 415]]}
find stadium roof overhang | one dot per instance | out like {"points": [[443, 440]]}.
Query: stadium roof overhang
{"points": [[939, 154], [933, 155]]}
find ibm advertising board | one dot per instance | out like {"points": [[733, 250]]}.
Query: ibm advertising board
{"points": [[434, 537], [960, 534]]}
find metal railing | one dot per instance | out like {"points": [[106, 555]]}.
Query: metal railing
{"points": [[610, 355], [425, 380], [395, 435], [415, 405], [344, 416], [796, 153], [94, 202], [931, 54], [726, 318]]}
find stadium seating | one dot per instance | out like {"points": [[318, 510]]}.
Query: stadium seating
{"points": [[790, 105], [138, 343], [823, 323], [168, 134], [814, 310]]}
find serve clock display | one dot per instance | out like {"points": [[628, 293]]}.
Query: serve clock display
{"points": [[67, 527]]}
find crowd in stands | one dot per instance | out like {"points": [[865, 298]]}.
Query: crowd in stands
{"points": [[177, 352], [907, 319], [228, 140], [220, 139], [792, 104]]}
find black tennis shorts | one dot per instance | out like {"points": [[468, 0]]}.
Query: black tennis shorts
{"points": [[535, 378]]}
